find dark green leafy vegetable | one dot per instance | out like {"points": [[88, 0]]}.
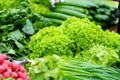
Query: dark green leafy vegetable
{"points": [[15, 28], [28, 28]]}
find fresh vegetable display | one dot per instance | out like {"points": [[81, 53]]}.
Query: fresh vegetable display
{"points": [[11, 70], [67, 40], [101, 12]]}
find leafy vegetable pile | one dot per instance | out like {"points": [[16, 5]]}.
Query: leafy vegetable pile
{"points": [[57, 68], [77, 37], [15, 27], [17, 24], [101, 12]]}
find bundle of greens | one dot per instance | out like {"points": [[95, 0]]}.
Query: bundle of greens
{"points": [[74, 69], [63, 68], [19, 20], [15, 28]]}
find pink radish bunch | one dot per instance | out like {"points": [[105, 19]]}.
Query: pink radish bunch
{"points": [[11, 70]]}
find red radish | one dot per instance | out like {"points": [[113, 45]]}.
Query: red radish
{"points": [[21, 68], [7, 62], [24, 75], [2, 58], [6, 75], [19, 74], [15, 66], [1, 76], [6, 67], [2, 69], [9, 71], [14, 75]]}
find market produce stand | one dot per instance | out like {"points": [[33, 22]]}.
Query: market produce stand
{"points": [[62, 40]]}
